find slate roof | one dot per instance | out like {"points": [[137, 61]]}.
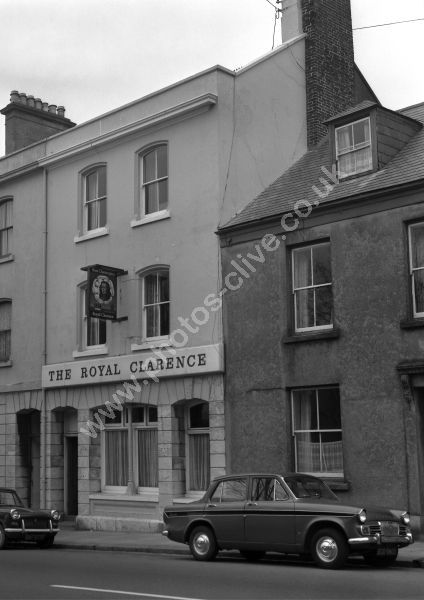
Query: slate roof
{"points": [[353, 109], [297, 182]]}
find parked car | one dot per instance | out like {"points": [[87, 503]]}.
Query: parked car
{"points": [[18, 523], [293, 514]]}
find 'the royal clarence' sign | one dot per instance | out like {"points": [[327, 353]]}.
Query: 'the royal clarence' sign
{"points": [[150, 366]]}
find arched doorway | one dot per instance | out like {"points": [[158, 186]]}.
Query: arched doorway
{"points": [[28, 466]]}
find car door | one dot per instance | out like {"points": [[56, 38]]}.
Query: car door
{"points": [[269, 515], [225, 510]]}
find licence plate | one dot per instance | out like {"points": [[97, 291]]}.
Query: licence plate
{"points": [[389, 528]]}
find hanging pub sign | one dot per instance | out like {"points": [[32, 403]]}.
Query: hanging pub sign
{"points": [[101, 299]]}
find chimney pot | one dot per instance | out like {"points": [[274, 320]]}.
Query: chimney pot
{"points": [[45, 106], [23, 97], [38, 103], [61, 111], [52, 108], [30, 101], [14, 96]]}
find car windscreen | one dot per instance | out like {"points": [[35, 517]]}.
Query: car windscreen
{"points": [[9, 498], [309, 487]]}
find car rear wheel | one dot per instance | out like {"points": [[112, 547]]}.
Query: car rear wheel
{"points": [[202, 543], [252, 555], [2, 538], [372, 558], [329, 549], [46, 542]]}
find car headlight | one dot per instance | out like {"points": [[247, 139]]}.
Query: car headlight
{"points": [[15, 514], [405, 518], [55, 515], [362, 516]]}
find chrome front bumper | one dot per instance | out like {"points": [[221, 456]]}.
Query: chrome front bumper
{"points": [[403, 540], [50, 529]]}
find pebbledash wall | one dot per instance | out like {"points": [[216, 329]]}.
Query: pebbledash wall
{"points": [[226, 135]]}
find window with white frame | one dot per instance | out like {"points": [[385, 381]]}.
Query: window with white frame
{"points": [[156, 304], [93, 330], [94, 199], [416, 267], [198, 467], [312, 287], [154, 180], [131, 438], [353, 148], [5, 330], [317, 431], [6, 227]]}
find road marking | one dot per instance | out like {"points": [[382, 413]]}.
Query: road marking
{"points": [[89, 589]]}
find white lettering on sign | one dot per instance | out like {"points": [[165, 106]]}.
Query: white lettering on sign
{"points": [[144, 365]]}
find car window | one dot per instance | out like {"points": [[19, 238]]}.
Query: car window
{"points": [[230, 490], [309, 487], [267, 489], [9, 498]]}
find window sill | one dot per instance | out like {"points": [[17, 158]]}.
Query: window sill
{"points": [[413, 323], [162, 344], [7, 258], [90, 352], [140, 497], [158, 216], [6, 363], [311, 337], [95, 233]]}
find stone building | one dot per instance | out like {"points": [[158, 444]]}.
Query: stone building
{"points": [[326, 267]]}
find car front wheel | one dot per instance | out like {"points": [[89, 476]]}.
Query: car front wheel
{"points": [[202, 543], [329, 549]]}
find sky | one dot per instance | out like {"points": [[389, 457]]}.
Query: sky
{"points": [[92, 56]]}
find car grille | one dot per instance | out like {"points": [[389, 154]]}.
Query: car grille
{"points": [[387, 528], [36, 523]]}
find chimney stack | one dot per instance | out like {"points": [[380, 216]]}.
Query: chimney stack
{"points": [[29, 120], [329, 60]]}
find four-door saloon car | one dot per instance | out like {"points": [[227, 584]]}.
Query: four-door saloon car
{"points": [[18, 523], [293, 514]]}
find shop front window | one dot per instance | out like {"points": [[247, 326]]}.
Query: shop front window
{"points": [[131, 438]]}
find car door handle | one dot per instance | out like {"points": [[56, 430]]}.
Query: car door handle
{"points": [[211, 505], [252, 504]]}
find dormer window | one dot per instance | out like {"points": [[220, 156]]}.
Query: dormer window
{"points": [[353, 148]]}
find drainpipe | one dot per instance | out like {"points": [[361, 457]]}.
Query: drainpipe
{"points": [[131, 489], [43, 432]]}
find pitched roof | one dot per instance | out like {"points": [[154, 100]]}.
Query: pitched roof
{"points": [[353, 109], [302, 181]]}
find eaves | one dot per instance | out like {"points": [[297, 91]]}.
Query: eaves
{"points": [[330, 211]]}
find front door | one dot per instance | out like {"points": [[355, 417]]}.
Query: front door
{"points": [[270, 516], [71, 475]]}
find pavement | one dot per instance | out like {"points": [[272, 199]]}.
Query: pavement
{"points": [[77, 539]]}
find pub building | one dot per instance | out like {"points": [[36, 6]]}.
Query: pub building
{"points": [[111, 336]]}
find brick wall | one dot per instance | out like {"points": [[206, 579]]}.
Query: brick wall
{"points": [[329, 62]]}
